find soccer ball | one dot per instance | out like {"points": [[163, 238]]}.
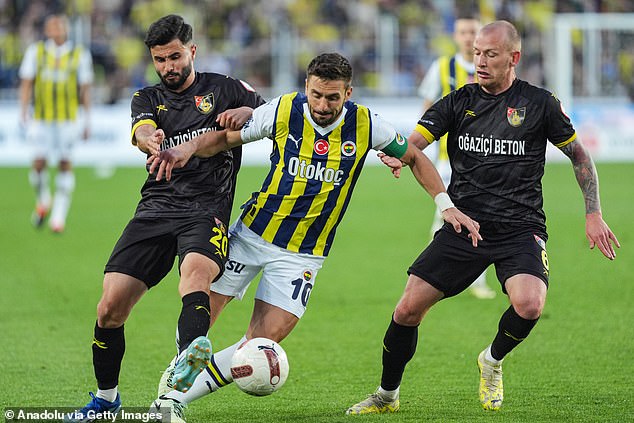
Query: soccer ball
{"points": [[259, 367]]}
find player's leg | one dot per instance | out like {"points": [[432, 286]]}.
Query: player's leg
{"points": [[143, 255], [202, 246], [120, 293], [267, 321], [64, 187], [527, 294], [38, 175], [281, 300], [242, 266], [399, 345], [64, 137], [194, 348], [429, 282]]}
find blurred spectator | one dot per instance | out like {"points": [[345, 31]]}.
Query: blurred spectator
{"points": [[237, 37]]}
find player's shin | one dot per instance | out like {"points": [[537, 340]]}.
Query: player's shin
{"points": [[512, 330], [399, 346], [108, 347], [65, 185], [194, 318]]}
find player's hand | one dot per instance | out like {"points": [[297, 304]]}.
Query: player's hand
{"points": [[392, 162], [85, 133], [172, 158], [458, 219], [234, 119], [599, 234], [152, 144]]}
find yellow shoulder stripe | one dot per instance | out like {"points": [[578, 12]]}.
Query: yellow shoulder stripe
{"points": [[425, 133], [139, 123], [568, 141]]}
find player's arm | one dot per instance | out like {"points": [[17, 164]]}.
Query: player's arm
{"points": [[427, 176], [213, 142], [417, 139], [597, 231], [85, 79], [26, 91], [84, 100], [148, 138], [234, 119], [395, 146], [205, 145], [27, 72]]}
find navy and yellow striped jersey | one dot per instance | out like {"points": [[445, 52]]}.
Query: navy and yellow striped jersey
{"points": [[497, 146], [449, 74], [313, 171], [453, 75], [55, 71]]}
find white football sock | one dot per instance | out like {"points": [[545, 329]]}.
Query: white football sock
{"points": [[489, 357], [388, 395], [108, 394], [216, 375], [64, 186], [39, 181]]}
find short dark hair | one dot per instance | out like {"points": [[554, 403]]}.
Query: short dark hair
{"points": [[331, 66], [167, 29]]}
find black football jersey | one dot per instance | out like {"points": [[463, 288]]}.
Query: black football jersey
{"points": [[204, 185], [497, 146]]}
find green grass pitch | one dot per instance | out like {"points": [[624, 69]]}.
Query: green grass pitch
{"points": [[577, 365]]}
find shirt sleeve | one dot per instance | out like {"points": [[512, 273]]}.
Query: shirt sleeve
{"points": [[430, 87], [559, 129], [437, 119], [142, 112], [85, 73], [245, 95], [261, 123], [28, 67], [386, 138]]}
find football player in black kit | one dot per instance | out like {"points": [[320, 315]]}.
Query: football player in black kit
{"points": [[186, 217], [497, 134]]}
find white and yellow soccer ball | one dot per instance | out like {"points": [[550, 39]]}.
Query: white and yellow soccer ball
{"points": [[259, 367]]}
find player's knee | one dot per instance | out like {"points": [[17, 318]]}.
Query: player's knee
{"points": [[110, 314], [529, 308], [406, 314]]}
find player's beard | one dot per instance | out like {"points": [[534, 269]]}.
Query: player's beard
{"points": [[175, 84], [324, 121]]}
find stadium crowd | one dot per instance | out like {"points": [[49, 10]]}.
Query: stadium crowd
{"points": [[235, 37]]}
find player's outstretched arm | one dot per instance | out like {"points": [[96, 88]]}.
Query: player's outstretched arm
{"points": [[234, 119], [597, 231], [148, 139], [427, 175], [395, 164], [205, 145]]}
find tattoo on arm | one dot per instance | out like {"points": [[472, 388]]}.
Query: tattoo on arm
{"points": [[586, 174]]}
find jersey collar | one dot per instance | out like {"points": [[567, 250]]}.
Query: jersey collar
{"points": [[321, 129]]}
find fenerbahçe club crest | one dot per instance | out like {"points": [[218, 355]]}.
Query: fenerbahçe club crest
{"points": [[515, 116], [204, 103]]}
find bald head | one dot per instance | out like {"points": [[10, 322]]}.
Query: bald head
{"points": [[505, 32]]}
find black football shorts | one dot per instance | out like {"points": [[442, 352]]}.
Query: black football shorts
{"points": [[148, 246], [450, 263]]}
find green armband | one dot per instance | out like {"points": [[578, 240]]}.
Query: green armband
{"points": [[397, 147]]}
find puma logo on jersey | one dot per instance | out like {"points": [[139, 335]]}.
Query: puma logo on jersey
{"points": [[292, 138], [468, 112]]}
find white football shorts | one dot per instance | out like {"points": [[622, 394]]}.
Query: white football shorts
{"points": [[53, 140], [287, 277]]}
